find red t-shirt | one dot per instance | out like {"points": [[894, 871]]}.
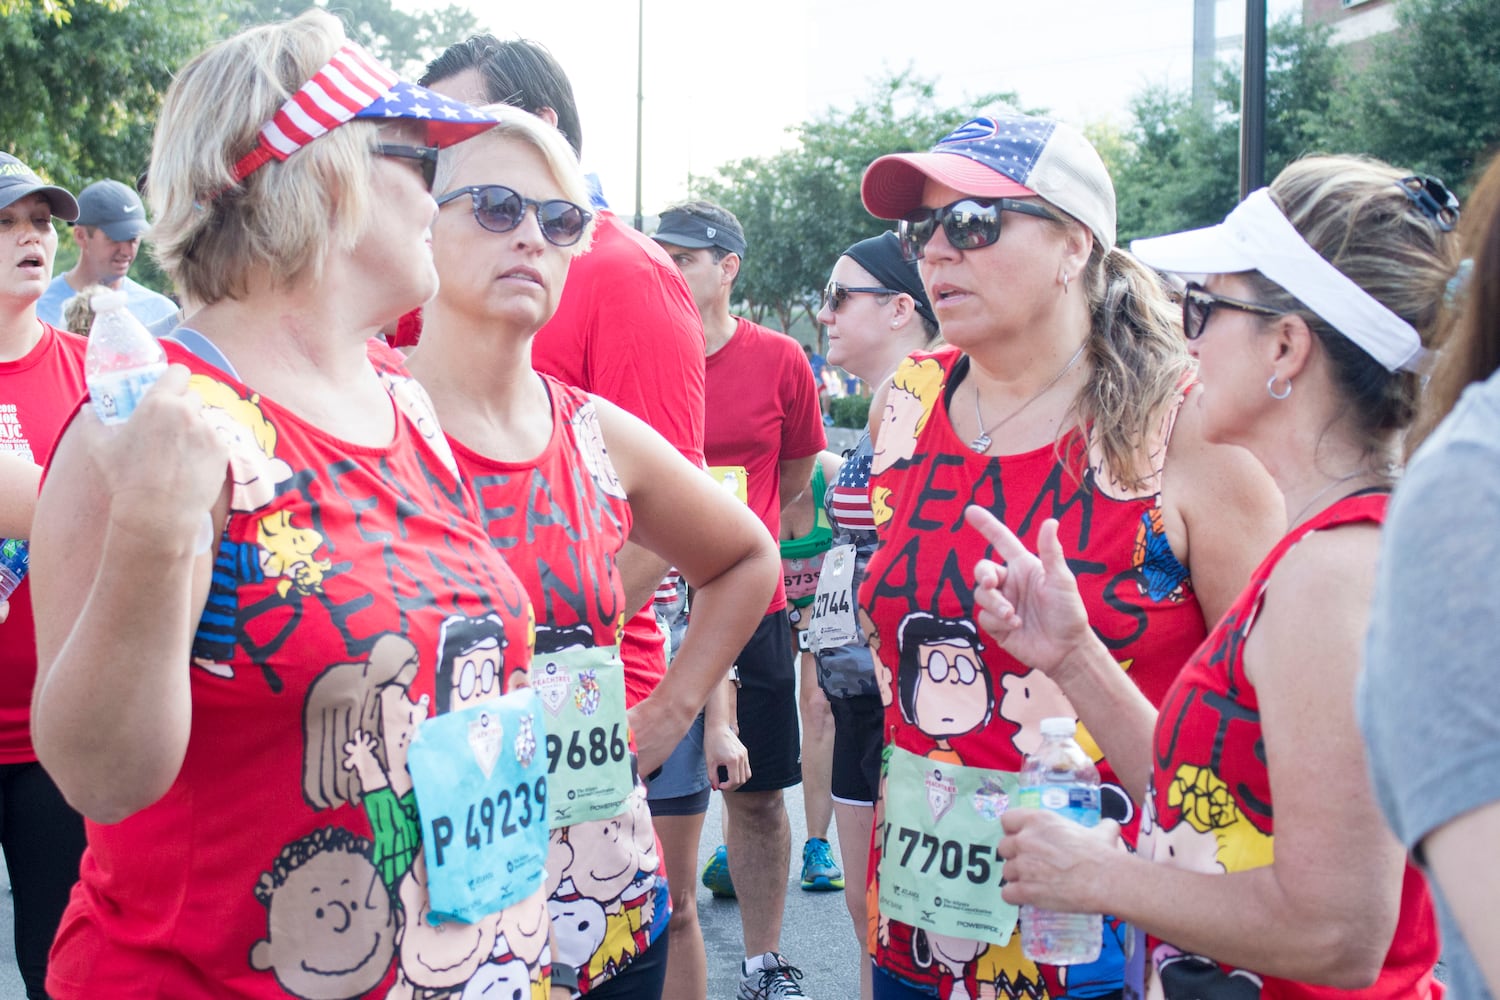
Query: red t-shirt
{"points": [[762, 411], [627, 330], [1209, 808], [350, 586], [918, 589], [561, 519], [38, 394]]}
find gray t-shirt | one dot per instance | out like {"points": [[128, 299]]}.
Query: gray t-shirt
{"points": [[1428, 700]]}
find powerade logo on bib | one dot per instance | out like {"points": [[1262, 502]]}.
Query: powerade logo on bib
{"points": [[481, 786]]}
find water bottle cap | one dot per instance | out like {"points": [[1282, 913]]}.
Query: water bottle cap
{"points": [[105, 301], [1059, 726]]}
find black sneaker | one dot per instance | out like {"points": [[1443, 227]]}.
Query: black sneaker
{"points": [[775, 983]]}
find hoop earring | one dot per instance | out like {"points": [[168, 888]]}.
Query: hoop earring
{"points": [[1065, 282], [1271, 388]]}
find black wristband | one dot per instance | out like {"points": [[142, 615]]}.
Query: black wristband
{"points": [[565, 976]]}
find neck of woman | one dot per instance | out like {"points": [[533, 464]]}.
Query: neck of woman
{"points": [[483, 386], [19, 333], [1313, 474]]}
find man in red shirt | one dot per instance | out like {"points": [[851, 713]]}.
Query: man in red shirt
{"points": [[763, 430]]}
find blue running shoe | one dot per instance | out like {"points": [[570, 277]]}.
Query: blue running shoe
{"points": [[716, 874], [819, 873]]}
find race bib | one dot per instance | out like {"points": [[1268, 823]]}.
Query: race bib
{"points": [[482, 793], [734, 479], [833, 622], [939, 869], [582, 692], [801, 576]]}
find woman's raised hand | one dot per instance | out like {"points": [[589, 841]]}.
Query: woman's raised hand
{"points": [[1029, 603]]}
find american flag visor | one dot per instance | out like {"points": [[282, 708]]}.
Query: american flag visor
{"points": [[355, 85]]}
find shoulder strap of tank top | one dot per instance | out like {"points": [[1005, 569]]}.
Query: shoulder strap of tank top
{"points": [[196, 344]]}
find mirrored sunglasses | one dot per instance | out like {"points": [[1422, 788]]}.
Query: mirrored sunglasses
{"points": [[969, 223], [1433, 198], [501, 209]]}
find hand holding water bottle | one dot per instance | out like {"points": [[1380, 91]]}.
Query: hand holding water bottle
{"points": [[148, 410], [1057, 850]]}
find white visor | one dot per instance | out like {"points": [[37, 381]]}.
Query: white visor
{"points": [[1257, 237]]}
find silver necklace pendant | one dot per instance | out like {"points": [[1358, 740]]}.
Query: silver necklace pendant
{"points": [[981, 444]]}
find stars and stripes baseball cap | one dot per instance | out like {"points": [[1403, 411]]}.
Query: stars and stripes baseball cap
{"points": [[355, 85], [1001, 155]]}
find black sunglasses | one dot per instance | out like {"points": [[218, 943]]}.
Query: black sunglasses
{"points": [[426, 157], [501, 209], [1433, 198], [835, 294], [969, 223], [1198, 303]]}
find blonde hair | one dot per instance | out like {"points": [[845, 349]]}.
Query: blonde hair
{"points": [[78, 313], [521, 126], [922, 380], [1352, 211], [287, 217], [1138, 360]]}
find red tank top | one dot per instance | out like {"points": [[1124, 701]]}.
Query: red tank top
{"points": [[353, 595], [1210, 801], [38, 393], [918, 592], [561, 519]]}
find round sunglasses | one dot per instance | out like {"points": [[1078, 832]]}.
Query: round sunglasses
{"points": [[501, 209], [969, 223], [1198, 303], [835, 294]]}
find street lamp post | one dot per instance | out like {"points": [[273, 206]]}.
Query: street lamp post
{"points": [[640, 103], [1253, 100]]}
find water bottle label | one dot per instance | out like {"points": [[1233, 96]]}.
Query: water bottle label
{"points": [[116, 394], [938, 866], [1079, 803], [15, 559], [15, 555]]}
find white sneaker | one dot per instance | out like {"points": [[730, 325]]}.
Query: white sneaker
{"points": [[775, 983]]}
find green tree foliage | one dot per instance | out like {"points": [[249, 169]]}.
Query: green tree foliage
{"points": [[59, 11], [1178, 166], [81, 96], [1429, 96], [801, 208], [407, 41]]}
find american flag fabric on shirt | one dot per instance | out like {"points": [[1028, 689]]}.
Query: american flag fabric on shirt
{"points": [[353, 84], [849, 501]]}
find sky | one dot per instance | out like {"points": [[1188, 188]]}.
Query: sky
{"points": [[723, 81]]}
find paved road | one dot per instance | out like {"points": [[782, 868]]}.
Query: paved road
{"points": [[10, 979], [817, 935]]}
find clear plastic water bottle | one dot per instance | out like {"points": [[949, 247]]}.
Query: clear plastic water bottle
{"points": [[15, 558], [122, 363], [1062, 779], [123, 360]]}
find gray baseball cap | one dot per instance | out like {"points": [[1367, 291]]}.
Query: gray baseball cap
{"points": [[114, 208], [681, 228], [17, 181]]}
